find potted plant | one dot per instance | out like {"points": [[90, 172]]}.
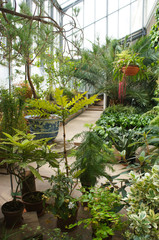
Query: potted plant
{"points": [[63, 107], [92, 157], [33, 201], [20, 151], [104, 206], [64, 206], [43, 121], [129, 64], [12, 211], [126, 64], [143, 205]]}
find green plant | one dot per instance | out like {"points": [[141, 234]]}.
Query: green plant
{"points": [[92, 157], [64, 205], [104, 207], [123, 141], [38, 80], [63, 108], [149, 153], [12, 107], [125, 119], [154, 31], [143, 201], [21, 150], [126, 58]]}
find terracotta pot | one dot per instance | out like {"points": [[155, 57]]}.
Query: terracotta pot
{"points": [[33, 202], [130, 70], [12, 214]]}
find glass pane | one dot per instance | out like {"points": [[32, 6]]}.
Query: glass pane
{"points": [[123, 3], [88, 36], [124, 22], [150, 4], [100, 30], [88, 12], [113, 25], [112, 6], [136, 16], [100, 9], [79, 18], [65, 3]]}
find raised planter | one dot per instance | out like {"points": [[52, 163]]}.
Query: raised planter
{"points": [[44, 128]]}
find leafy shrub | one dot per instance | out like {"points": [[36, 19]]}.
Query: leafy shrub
{"points": [[143, 201], [124, 120]]}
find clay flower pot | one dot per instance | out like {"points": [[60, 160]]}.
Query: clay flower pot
{"points": [[130, 70]]}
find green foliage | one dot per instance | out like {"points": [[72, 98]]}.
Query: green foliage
{"points": [[124, 119], [126, 58], [59, 69], [104, 207], [143, 200], [38, 80], [12, 107], [62, 105], [154, 33], [64, 205], [95, 67], [21, 150], [122, 141], [92, 157]]}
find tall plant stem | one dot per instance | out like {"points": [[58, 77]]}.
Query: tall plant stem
{"points": [[29, 79], [64, 146]]}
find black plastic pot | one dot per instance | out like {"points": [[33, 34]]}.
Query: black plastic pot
{"points": [[12, 212], [33, 202]]}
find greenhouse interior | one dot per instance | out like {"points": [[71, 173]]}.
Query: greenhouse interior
{"points": [[79, 120]]}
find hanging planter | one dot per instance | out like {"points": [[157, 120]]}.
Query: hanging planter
{"points": [[128, 63], [130, 70]]}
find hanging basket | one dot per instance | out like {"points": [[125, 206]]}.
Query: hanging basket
{"points": [[130, 70]]}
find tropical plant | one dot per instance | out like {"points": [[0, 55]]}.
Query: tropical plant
{"points": [[154, 31], [37, 81], [104, 207], [143, 205], [122, 141], [125, 59], [12, 107], [63, 108], [97, 64], [125, 119], [92, 157], [21, 150], [64, 205]]}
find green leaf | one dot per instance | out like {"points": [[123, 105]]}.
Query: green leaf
{"points": [[35, 172]]}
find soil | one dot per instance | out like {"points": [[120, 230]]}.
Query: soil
{"points": [[33, 197], [12, 206]]}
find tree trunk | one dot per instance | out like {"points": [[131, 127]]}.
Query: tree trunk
{"points": [[29, 80]]}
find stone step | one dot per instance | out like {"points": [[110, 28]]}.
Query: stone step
{"points": [[29, 218]]}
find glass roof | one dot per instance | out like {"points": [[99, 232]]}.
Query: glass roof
{"points": [[65, 3]]}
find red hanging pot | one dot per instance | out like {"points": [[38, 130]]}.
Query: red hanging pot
{"points": [[130, 70]]}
